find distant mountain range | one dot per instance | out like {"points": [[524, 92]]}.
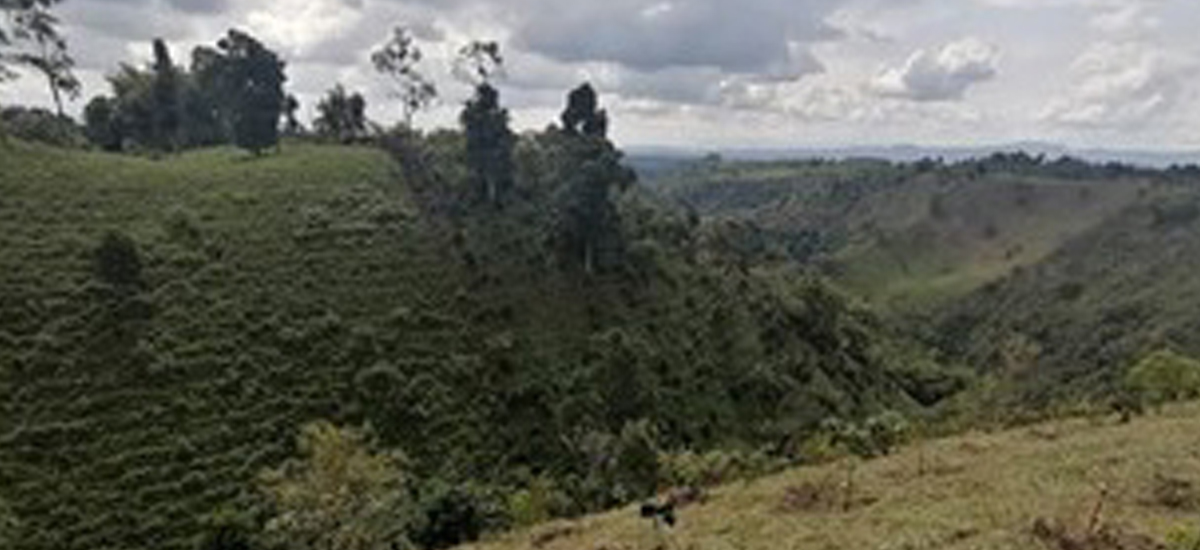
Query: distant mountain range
{"points": [[909, 153]]}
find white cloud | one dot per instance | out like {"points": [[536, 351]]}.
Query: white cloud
{"points": [[941, 75], [1122, 85]]}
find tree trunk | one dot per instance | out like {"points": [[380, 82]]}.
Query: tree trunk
{"points": [[54, 92]]}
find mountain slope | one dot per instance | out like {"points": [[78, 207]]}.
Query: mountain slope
{"points": [[1097, 304], [907, 236]]}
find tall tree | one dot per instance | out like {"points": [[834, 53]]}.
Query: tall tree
{"points": [[341, 116], [490, 143], [398, 58], [166, 98], [29, 37], [251, 78], [588, 218]]}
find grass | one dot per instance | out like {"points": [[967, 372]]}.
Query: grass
{"points": [[981, 491]]}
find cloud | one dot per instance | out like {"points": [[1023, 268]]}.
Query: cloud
{"points": [[944, 75], [1126, 84], [762, 37]]}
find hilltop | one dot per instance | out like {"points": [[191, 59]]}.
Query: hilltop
{"points": [[1133, 482]]}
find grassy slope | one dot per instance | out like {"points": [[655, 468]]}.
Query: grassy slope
{"points": [[980, 491]]}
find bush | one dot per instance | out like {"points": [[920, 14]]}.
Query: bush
{"points": [[450, 515], [537, 503], [1162, 377], [690, 469], [41, 126], [339, 495], [117, 262]]}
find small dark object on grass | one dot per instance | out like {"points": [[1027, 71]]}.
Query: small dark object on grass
{"points": [[664, 513]]}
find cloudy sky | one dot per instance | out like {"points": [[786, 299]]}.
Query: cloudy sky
{"points": [[731, 73]]}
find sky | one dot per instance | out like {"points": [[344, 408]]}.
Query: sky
{"points": [[726, 73]]}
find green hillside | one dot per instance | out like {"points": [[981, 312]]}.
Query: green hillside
{"points": [[166, 327], [1124, 289], [909, 237]]}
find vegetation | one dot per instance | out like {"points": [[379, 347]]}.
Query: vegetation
{"points": [[985, 491], [235, 302]]}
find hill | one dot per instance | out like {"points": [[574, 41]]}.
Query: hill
{"points": [[167, 326], [1067, 326], [1133, 483], [1052, 277], [912, 236]]}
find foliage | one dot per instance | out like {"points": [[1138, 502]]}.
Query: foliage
{"points": [[1164, 376], [489, 144], [116, 262], [165, 98], [101, 125], [398, 59], [339, 495], [251, 78], [716, 467], [450, 515], [479, 62], [342, 117], [42, 126], [373, 299], [8, 525], [29, 37]]}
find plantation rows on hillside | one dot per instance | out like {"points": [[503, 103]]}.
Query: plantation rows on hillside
{"points": [[168, 327]]}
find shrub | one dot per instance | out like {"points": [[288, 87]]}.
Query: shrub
{"points": [[450, 515], [117, 262], [340, 494], [41, 126], [1164, 376]]}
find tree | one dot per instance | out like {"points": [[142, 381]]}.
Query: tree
{"points": [[587, 216], [291, 125], [479, 62], [29, 37], [398, 58], [101, 124], [581, 117], [165, 99], [340, 494], [341, 116], [490, 144], [250, 78]]}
